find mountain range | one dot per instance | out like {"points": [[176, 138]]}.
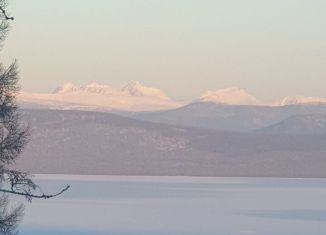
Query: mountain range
{"points": [[137, 97], [231, 109], [138, 130]]}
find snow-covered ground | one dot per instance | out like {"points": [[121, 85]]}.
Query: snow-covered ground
{"points": [[178, 206]]}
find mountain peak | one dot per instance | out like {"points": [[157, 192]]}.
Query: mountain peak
{"points": [[231, 95], [66, 87], [135, 88]]}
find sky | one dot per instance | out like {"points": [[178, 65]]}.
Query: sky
{"points": [[271, 48]]}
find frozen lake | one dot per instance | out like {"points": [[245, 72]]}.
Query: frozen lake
{"points": [[178, 206]]}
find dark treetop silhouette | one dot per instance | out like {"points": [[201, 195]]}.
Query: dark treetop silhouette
{"points": [[14, 136]]}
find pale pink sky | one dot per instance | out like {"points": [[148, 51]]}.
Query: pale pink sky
{"points": [[270, 48]]}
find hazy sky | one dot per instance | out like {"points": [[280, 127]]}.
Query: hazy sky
{"points": [[271, 48]]}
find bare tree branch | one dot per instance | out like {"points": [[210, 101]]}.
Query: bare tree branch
{"points": [[41, 196]]}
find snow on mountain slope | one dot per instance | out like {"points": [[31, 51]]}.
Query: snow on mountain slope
{"points": [[132, 97], [90, 88], [136, 89], [292, 100], [232, 95]]}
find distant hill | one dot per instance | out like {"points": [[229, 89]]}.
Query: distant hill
{"points": [[237, 118], [78, 142], [300, 124]]}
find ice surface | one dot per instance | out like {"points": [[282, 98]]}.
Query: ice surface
{"points": [[179, 205]]}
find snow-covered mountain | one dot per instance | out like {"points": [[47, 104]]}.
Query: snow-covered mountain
{"points": [[132, 97], [293, 100], [231, 96], [136, 89], [137, 97], [238, 96]]}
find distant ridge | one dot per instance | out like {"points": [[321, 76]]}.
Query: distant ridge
{"points": [[244, 118], [299, 124]]}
